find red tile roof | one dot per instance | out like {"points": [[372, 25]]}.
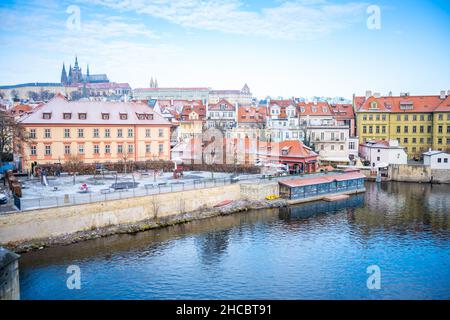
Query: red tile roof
{"points": [[322, 179], [403, 104], [251, 114], [314, 109], [216, 106], [343, 111], [288, 148]]}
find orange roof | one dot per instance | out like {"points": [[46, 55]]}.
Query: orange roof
{"points": [[343, 111], [314, 109], [444, 106], [251, 114], [322, 179], [403, 104], [288, 148], [216, 106]]}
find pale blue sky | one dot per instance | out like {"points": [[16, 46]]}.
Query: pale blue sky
{"points": [[287, 48]]}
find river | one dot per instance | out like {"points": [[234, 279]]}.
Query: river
{"points": [[318, 250]]}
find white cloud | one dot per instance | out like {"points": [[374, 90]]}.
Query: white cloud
{"points": [[303, 19]]}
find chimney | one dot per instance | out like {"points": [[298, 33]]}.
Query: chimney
{"points": [[368, 94], [390, 93], [443, 95]]}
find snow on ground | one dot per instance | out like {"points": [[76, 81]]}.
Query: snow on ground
{"points": [[64, 185]]}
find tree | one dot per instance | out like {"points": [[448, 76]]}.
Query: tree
{"points": [[46, 95], [34, 96], [14, 94], [75, 95], [13, 136]]}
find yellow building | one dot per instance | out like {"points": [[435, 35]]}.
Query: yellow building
{"points": [[412, 120], [95, 131]]}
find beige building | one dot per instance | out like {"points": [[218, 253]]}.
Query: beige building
{"points": [[95, 131]]}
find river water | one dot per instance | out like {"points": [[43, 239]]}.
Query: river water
{"points": [[318, 250]]}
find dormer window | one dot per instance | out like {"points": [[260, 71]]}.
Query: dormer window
{"points": [[123, 116], [105, 116], [314, 109], [373, 105], [324, 109], [67, 116], [302, 109], [47, 115], [82, 116]]}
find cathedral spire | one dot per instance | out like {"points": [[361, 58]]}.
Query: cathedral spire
{"points": [[69, 80], [63, 75], [156, 83], [76, 62], [152, 84]]}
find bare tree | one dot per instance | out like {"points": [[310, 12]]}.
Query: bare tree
{"points": [[74, 164], [13, 136], [154, 205]]}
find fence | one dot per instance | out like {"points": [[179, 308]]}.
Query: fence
{"points": [[111, 194], [25, 204]]}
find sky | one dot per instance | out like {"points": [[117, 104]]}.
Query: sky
{"points": [[279, 48]]}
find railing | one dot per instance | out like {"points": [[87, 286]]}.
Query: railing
{"points": [[107, 194]]}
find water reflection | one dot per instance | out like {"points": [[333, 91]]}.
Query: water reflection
{"points": [[309, 251]]}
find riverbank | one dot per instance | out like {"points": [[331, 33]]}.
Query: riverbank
{"points": [[148, 224]]}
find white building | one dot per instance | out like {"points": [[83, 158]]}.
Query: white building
{"points": [[437, 159], [241, 97], [382, 153]]}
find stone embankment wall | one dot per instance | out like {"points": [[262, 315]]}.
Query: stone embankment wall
{"points": [[54, 222], [418, 173], [9, 275]]}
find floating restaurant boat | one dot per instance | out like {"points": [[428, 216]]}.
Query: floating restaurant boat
{"points": [[320, 187]]}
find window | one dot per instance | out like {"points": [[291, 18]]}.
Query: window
{"points": [[81, 148], [414, 129], [405, 117], [421, 129], [414, 140], [405, 130], [123, 116], [440, 129], [378, 158], [130, 148], [322, 147], [46, 115], [47, 133], [342, 147], [119, 133], [398, 117], [67, 116], [429, 129], [332, 147], [439, 140], [378, 129], [415, 117], [105, 116], [383, 129], [430, 117], [422, 117], [33, 150], [107, 133], [33, 133], [448, 129], [148, 148], [160, 133], [422, 140], [383, 117], [364, 129], [82, 116], [440, 117], [80, 133], [365, 117], [405, 140], [48, 150], [107, 148], [370, 129], [66, 133], [148, 133], [161, 148], [67, 149], [120, 148], [130, 133], [96, 149], [398, 129], [96, 133], [351, 145], [439, 160], [445, 160], [370, 117]]}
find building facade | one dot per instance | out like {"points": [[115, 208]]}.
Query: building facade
{"points": [[417, 122], [95, 131]]}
